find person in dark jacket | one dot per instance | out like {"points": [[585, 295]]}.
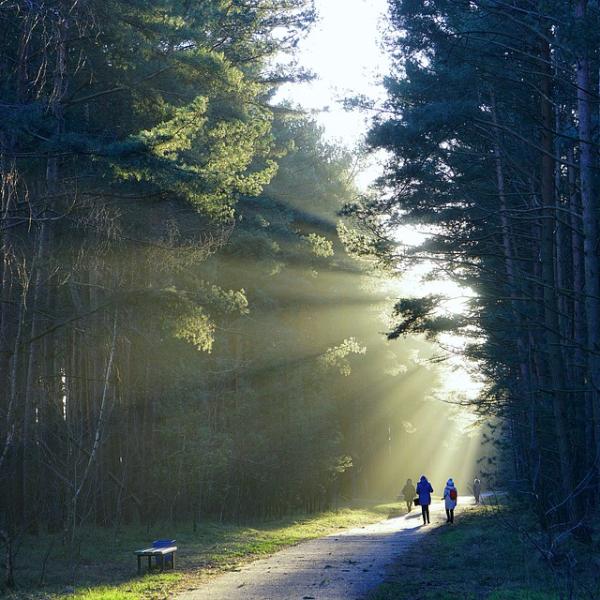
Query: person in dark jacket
{"points": [[476, 489], [408, 491], [424, 491]]}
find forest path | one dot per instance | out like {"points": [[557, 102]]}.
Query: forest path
{"points": [[340, 566]]}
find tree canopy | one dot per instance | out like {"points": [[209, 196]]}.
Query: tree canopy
{"points": [[490, 124]]}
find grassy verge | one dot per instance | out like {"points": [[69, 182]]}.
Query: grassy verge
{"points": [[106, 567], [484, 556]]}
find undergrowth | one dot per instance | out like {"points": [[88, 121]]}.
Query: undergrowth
{"points": [[489, 553], [104, 567]]}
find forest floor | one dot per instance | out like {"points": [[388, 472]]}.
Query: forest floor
{"points": [[106, 567], [341, 566], [368, 551], [490, 555]]}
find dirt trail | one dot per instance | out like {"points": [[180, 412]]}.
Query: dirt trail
{"points": [[341, 566]]}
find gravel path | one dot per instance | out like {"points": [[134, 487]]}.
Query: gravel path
{"points": [[341, 566]]}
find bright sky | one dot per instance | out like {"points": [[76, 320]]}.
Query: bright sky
{"points": [[343, 50]]}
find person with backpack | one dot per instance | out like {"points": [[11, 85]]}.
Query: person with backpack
{"points": [[424, 491], [476, 489], [450, 500], [408, 491]]}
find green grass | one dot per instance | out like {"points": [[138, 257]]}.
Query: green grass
{"points": [[482, 556], [106, 567], [150, 586]]}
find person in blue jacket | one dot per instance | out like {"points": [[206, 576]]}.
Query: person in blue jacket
{"points": [[424, 491]]}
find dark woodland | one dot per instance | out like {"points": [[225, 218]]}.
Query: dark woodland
{"points": [[199, 312]]}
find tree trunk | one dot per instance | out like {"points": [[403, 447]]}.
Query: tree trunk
{"points": [[589, 206], [552, 341]]}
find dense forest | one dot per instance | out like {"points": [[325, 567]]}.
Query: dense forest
{"points": [[130, 133], [200, 314], [492, 129], [186, 331]]}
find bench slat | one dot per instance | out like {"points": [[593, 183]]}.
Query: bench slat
{"points": [[155, 551]]}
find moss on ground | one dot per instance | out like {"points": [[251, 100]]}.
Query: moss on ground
{"points": [[485, 556], [105, 567]]}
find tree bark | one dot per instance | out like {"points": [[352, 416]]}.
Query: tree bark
{"points": [[589, 206], [552, 341]]}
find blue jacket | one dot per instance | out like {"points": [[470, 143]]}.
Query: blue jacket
{"points": [[424, 491]]}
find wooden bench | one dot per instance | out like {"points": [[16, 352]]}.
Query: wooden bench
{"points": [[163, 550]]}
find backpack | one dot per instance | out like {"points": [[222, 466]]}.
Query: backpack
{"points": [[453, 494]]}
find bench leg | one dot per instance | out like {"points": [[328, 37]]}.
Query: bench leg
{"points": [[173, 561], [149, 563], [139, 564]]}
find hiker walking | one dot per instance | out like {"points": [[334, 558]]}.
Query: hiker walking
{"points": [[408, 491], [450, 500], [424, 491], [476, 489]]}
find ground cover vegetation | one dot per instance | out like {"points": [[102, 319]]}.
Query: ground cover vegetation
{"points": [[183, 336], [490, 553], [105, 567], [492, 127]]}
